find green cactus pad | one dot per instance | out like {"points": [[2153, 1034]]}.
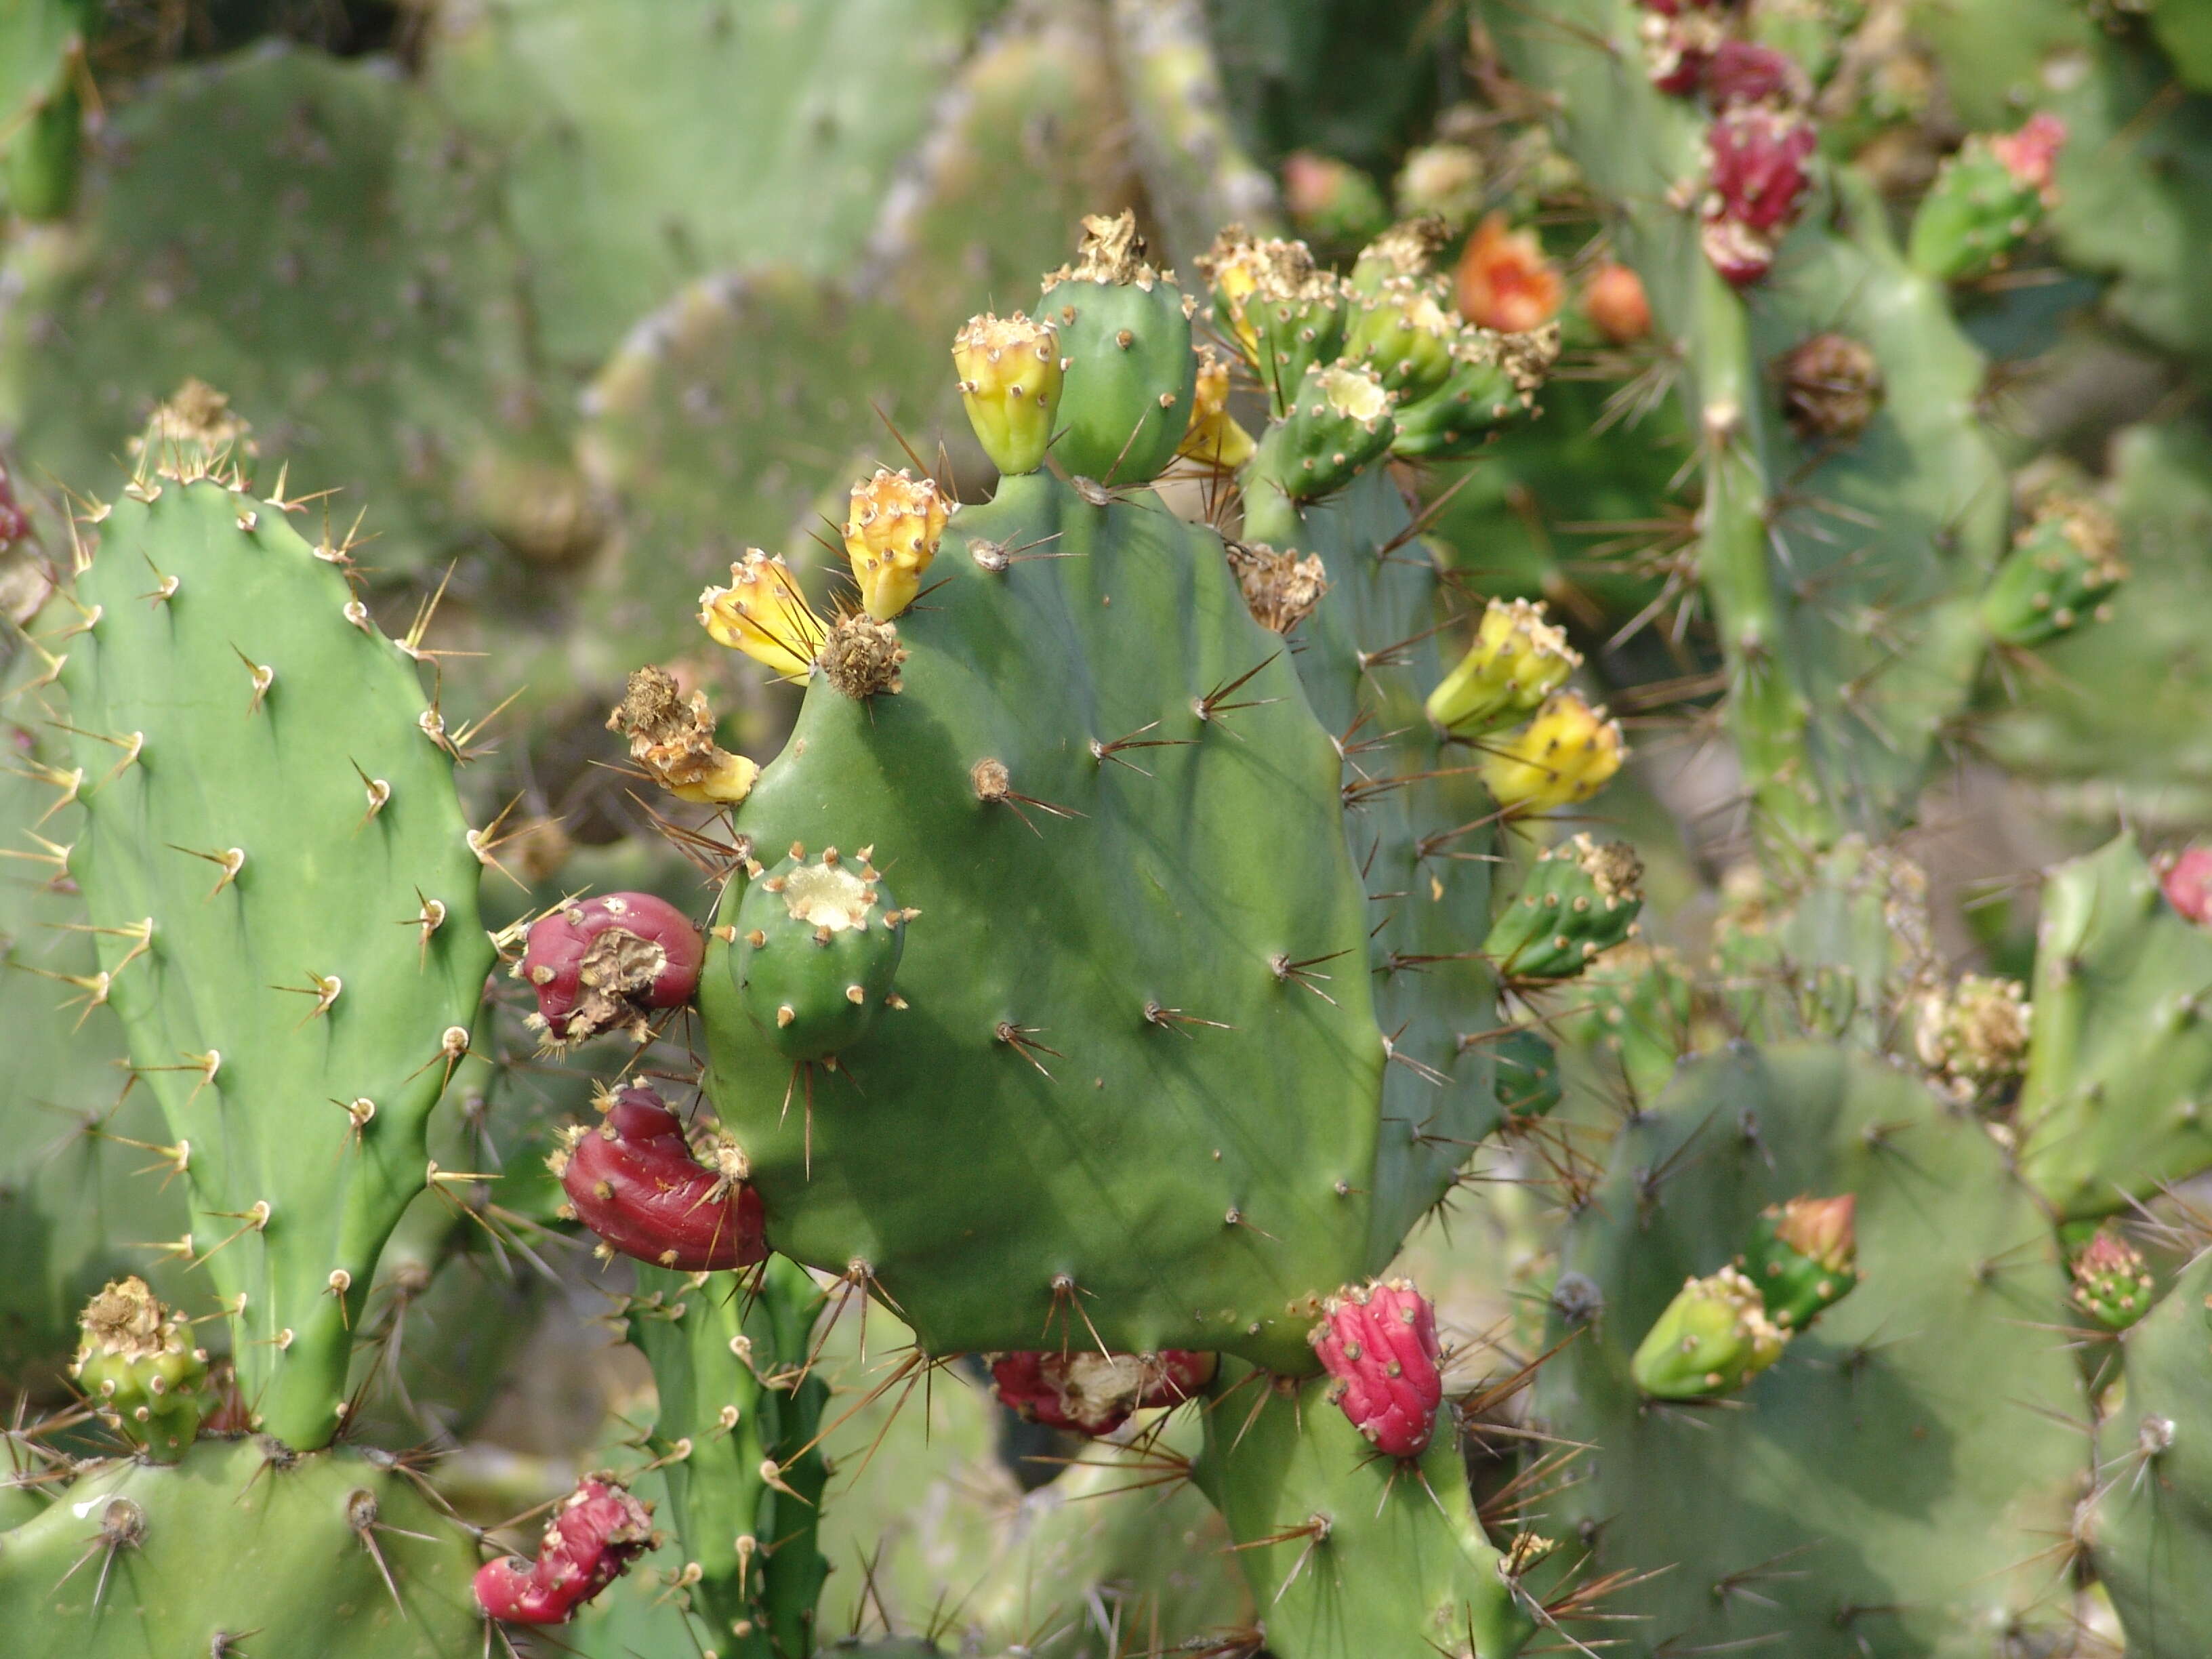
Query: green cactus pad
{"points": [[332, 1553], [281, 812], [2117, 1100], [1421, 827], [2149, 1527], [1350, 1555], [1880, 1494], [728, 1364], [769, 134], [1139, 1121], [339, 258], [1528, 1084], [1973, 219], [1125, 333], [817, 946]]}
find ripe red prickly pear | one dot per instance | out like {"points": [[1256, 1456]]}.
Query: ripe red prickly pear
{"points": [[1679, 37], [598, 1528], [2186, 879], [1379, 1341], [1745, 72], [638, 1183], [1756, 180], [602, 964], [1094, 1393]]}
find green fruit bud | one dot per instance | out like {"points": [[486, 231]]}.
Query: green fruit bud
{"points": [[1713, 1338], [1580, 898], [2061, 569], [1803, 1257], [1124, 330], [1010, 385], [138, 1370], [817, 946], [2111, 1280], [1337, 424], [1528, 1075]]}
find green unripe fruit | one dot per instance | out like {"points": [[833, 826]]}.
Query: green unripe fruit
{"points": [[817, 946], [2111, 1281], [1803, 1257], [1986, 202], [1580, 898], [1338, 422], [1124, 330], [2061, 569], [1714, 1337], [1285, 315], [1493, 378], [1527, 1074], [1407, 249], [1405, 333], [1010, 384], [140, 1372]]}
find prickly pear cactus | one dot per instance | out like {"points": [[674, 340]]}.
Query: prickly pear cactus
{"points": [[282, 887], [1763, 1504], [2119, 1059], [336, 1552]]}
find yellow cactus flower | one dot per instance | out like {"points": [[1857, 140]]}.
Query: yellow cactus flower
{"points": [[1213, 438], [762, 613], [892, 534], [1010, 379], [1560, 757], [1517, 660]]}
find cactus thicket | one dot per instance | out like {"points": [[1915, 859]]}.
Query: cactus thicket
{"points": [[1200, 942]]}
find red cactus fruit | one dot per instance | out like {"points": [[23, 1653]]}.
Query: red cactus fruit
{"points": [[640, 1185], [1094, 1393], [1615, 302], [603, 964], [591, 1540], [1756, 180], [1679, 37], [2186, 879], [1745, 72], [1379, 1341]]}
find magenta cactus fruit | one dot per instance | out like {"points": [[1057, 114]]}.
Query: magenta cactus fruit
{"points": [[1379, 1341], [1680, 38], [2186, 880], [2031, 155], [1756, 177], [607, 963], [641, 1186], [1745, 72], [1095, 1392], [591, 1539]]}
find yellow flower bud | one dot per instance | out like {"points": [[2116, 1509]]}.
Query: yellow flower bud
{"points": [[762, 613], [1517, 660], [1010, 380], [1559, 758], [1213, 438], [892, 534]]}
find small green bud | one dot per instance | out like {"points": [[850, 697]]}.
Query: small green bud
{"points": [[2111, 1280], [2060, 571], [1337, 423], [139, 1370], [1580, 898], [1713, 1338], [1803, 1257]]}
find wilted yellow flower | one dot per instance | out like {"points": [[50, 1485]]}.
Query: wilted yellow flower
{"points": [[1560, 757], [891, 533], [673, 737], [762, 613], [1213, 438], [1010, 379], [1517, 660]]}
